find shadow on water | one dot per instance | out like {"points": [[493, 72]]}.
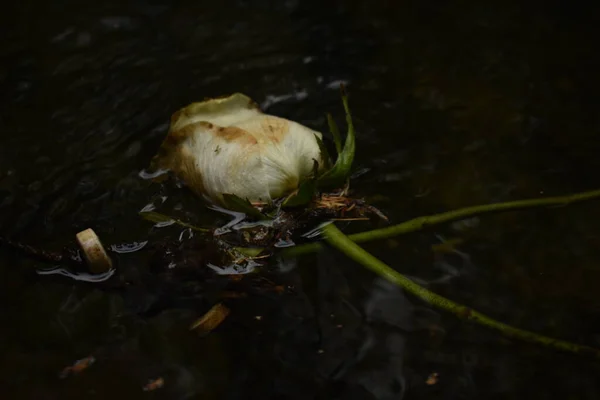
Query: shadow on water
{"points": [[455, 105]]}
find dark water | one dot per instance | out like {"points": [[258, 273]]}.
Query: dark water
{"points": [[455, 105]]}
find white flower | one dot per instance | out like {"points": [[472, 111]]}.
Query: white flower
{"points": [[228, 145]]}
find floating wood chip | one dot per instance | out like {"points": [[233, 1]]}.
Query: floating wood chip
{"points": [[211, 319], [93, 251]]}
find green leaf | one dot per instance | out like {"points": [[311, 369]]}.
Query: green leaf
{"points": [[340, 172], [324, 153], [335, 132], [305, 192], [155, 217], [158, 218], [236, 203]]}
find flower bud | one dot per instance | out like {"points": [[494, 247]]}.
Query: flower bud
{"points": [[228, 145]]}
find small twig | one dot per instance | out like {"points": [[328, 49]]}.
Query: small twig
{"points": [[350, 219], [66, 257], [343, 243], [420, 223]]}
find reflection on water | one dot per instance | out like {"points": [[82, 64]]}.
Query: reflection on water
{"points": [[455, 104], [85, 277]]}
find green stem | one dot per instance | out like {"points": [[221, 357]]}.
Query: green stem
{"points": [[343, 243], [420, 223]]}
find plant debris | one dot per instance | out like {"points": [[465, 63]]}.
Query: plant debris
{"points": [[97, 259], [154, 384], [432, 379], [213, 318], [77, 367]]}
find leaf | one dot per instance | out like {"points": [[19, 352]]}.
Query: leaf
{"points": [[335, 132], [340, 172], [158, 218], [211, 319], [324, 153], [236, 203], [305, 192], [249, 251]]}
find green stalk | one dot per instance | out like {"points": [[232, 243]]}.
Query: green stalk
{"points": [[420, 223], [343, 243]]}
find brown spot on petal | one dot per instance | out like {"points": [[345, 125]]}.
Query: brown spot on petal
{"points": [[275, 128], [252, 105], [185, 166], [175, 156], [167, 156], [176, 115], [234, 134], [178, 135]]}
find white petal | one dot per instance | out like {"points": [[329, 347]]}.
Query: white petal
{"points": [[227, 145]]}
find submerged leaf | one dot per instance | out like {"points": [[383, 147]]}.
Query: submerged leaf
{"points": [[249, 251], [211, 319], [236, 203], [340, 172], [161, 218], [155, 217]]}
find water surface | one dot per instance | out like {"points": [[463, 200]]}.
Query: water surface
{"points": [[455, 105]]}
